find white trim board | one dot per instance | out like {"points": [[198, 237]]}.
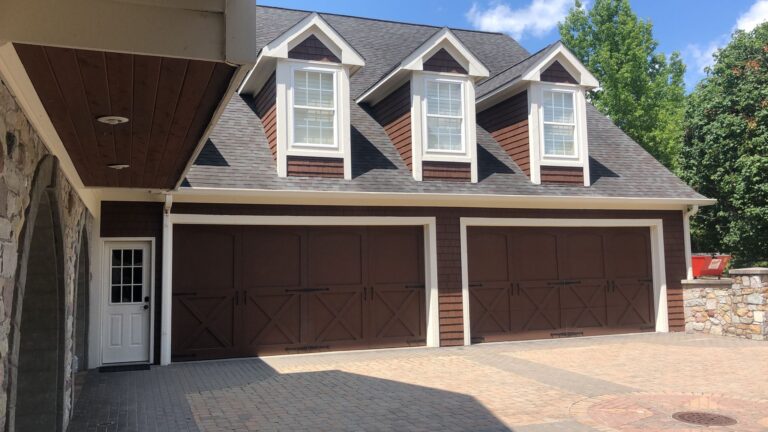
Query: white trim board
{"points": [[430, 257], [657, 256]]}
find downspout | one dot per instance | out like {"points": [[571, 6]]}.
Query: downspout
{"points": [[687, 214], [165, 327]]}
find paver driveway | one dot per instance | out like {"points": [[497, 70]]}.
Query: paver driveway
{"points": [[631, 382]]}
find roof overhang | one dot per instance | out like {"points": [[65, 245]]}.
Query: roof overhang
{"points": [[442, 39], [279, 48], [125, 58], [350, 198]]}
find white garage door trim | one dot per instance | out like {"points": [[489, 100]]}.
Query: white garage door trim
{"points": [[430, 257], [657, 256]]}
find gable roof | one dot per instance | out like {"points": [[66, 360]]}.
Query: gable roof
{"points": [[619, 167]]}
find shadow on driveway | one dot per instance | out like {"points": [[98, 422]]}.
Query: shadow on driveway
{"points": [[248, 394]]}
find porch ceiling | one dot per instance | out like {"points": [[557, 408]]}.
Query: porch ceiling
{"points": [[169, 103]]}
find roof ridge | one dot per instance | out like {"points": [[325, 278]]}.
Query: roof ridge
{"points": [[382, 20]]}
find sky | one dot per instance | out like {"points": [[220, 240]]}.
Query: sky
{"points": [[694, 28]]}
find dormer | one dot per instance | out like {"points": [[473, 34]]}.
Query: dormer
{"points": [[537, 113], [426, 104], [300, 90]]}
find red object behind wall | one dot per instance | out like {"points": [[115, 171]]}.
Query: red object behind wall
{"points": [[709, 265]]}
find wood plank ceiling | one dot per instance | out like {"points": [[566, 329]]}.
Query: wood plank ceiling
{"points": [[169, 102]]}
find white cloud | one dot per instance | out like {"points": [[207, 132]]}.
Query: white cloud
{"points": [[699, 56], [756, 15], [536, 19]]}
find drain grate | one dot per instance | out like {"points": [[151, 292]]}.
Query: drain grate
{"points": [[703, 418]]}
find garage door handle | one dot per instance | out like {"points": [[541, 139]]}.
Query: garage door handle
{"points": [[415, 286], [475, 285], [307, 290]]}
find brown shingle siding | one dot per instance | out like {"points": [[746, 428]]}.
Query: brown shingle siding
{"points": [[312, 48], [507, 122], [556, 73], [300, 166], [448, 171], [394, 114], [442, 61], [265, 104], [557, 174]]}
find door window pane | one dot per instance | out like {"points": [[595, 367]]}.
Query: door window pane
{"points": [[127, 276]]}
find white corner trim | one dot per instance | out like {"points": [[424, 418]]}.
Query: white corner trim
{"points": [[687, 215], [167, 284], [657, 256]]}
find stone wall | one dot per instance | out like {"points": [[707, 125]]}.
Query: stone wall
{"points": [[735, 306], [21, 151]]}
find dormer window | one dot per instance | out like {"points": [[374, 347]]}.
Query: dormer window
{"points": [[559, 121], [445, 116], [434, 129], [300, 86], [314, 108]]}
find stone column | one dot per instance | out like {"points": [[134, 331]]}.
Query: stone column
{"points": [[733, 306]]}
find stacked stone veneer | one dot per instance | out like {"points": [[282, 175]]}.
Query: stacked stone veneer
{"points": [[21, 151], [735, 306]]}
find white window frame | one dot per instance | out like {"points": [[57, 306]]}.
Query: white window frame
{"points": [[577, 112], [574, 99], [425, 115], [292, 144]]}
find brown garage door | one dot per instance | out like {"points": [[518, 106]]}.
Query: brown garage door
{"points": [[247, 291], [531, 283]]}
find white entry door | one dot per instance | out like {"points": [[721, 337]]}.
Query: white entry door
{"points": [[125, 327]]}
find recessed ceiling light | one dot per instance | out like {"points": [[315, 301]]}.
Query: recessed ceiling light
{"points": [[112, 120], [118, 166]]}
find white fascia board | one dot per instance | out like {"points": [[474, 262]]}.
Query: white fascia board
{"points": [[569, 61], [445, 39], [261, 196], [316, 25]]}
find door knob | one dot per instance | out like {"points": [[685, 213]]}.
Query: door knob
{"points": [[146, 307]]}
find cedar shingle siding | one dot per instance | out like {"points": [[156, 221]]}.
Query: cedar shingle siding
{"points": [[312, 48], [299, 166], [448, 171], [442, 61], [507, 122], [556, 73], [393, 113], [557, 174], [265, 104]]}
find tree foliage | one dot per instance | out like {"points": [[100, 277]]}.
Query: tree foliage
{"points": [[725, 150], [640, 90]]}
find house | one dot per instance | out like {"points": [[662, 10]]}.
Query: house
{"points": [[334, 183]]}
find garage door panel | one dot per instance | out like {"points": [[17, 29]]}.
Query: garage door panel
{"points": [[534, 255], [335, 256], [488, 254], [629, 254], [396, 255], [203, 268], [271, 320], [272, 257], [536, 306], [489, 305], [584, 304], [630, 304], [398, 315], [582, 255], [204, 325], [336, 317]]}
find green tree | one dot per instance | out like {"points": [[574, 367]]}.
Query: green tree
{"points": [[725, 150], [640, 90]]}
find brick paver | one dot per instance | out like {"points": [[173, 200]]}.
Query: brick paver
{"points": [[631, 382]]}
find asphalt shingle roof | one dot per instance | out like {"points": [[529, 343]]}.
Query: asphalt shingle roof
{"points": [[237, 154]]}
